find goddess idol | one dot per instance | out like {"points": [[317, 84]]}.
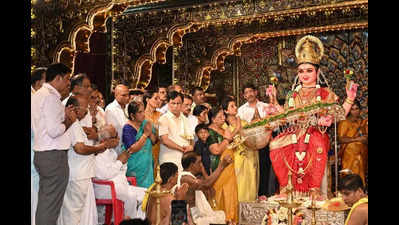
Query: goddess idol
{"points": [[308, 111]]}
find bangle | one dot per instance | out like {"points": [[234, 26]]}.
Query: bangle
{"points": [[144, 135], [350, 102]]}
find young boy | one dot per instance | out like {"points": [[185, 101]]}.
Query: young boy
{"points": [[201, 146]]}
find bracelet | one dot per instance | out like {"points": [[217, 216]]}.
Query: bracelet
{"points": [[350, 102]]}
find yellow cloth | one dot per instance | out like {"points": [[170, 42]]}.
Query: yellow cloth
{"points": [[246, 165], [361, 201], [226, 190], [146, 197], [355, 153]]}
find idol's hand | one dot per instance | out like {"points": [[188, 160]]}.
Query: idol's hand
{"points": [[351, 90], [270, 109], [325, 121]]}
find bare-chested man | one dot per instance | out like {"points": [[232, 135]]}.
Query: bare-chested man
{"points": [[351, 187], [200, 188], [168, 173]]}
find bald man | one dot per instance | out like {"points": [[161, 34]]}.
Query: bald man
{"points": [[115, 112]]}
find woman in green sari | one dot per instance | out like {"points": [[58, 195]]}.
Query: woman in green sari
{"points": [[138, 138]]}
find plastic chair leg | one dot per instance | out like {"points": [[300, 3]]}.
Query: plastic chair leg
{"points": [[108, 214]]}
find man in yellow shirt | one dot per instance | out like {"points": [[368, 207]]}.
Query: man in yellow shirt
{"points": [[352, 190]]}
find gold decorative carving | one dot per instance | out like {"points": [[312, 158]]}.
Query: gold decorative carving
{"points": [[234, 46]]}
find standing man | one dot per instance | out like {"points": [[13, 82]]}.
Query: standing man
{"points": [[198, 96], [175, 132], [173, 87], [253, 110], [37, 79], [50, 119], [163, 94], [80, 84], [115, 112]]}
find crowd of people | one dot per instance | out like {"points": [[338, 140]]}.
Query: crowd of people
{"points": [[77, 137]]}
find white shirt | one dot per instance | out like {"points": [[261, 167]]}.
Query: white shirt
{"points": [[115, 115], [175, 128], [80, 166], [247, 113], [163, 109], [47, 117], [193, 120]]}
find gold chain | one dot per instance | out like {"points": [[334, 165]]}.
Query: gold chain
{"points": [[292, 170]]}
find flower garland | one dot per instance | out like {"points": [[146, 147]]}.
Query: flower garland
{"points": [[314, 108]]}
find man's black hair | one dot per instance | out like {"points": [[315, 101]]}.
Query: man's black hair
{"points": [[188, 159], [249, 85], [200, 127], [72, 101], [194, 89], [198, 109], [351, 182], [37, 75], [77, 80], [167, 170], [174, 94], [56, 69]]}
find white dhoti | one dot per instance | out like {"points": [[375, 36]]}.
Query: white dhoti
{"points": [[202, 213], [131, 196], [79, 207]]}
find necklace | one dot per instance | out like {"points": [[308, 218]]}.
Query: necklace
{"points": [[301, 172]]}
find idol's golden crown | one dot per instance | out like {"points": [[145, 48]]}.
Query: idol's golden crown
{"points": [[309, 49]]}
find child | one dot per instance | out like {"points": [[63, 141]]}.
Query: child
{"points": [[201, 146]]}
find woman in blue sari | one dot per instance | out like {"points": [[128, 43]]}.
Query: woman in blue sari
{"points": [[138, 138]]}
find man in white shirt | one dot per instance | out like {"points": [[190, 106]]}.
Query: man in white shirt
{"points": [[80, 84], [37, 79], [253, 109], [174, 131], [111, 166], [50, 119], [79, 206], [115, 112], [186, 110], [173, 87], [198, 96]]}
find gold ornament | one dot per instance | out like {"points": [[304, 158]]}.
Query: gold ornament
{"points": [[309, 49]]}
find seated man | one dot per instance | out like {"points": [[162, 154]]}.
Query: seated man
{"points": [[351, 188], [168, 172], [111, 166], [77, 207], [200, 208]]}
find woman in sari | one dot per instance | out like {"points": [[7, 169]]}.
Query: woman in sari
{"points": [[246, 157], [137, 138], [302, 150], [151, 102], [353, 137], [226, 195]]}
